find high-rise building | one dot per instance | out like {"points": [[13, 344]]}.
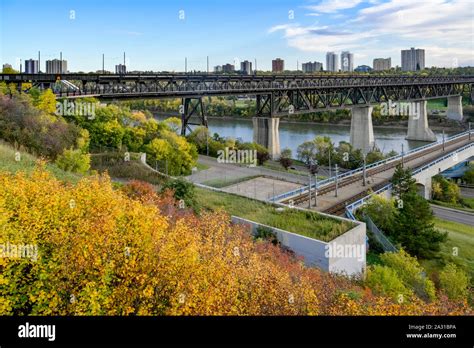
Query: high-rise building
{"points": [[312, 67], [31, 66], [331, 61], [218, 69], [228, 68], [347, 61], [246, 67], [381, 64], [120, 69], [7, 66], [413, 59], [56, 66], [278, 65]]}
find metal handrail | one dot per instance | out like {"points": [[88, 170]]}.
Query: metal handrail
{"points": [[351, 207], [372, 165]]}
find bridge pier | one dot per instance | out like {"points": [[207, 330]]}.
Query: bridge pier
{"points": [[424, 188], [265, 133], [418, 128], [455, 108], [362, 131]]}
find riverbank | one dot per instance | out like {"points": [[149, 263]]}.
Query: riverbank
{"points": [[400, 125]]}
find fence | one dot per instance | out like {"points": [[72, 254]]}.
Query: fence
{"points": [[379, 236]]}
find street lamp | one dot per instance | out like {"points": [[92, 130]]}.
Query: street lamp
{"points": [[336, 179]]}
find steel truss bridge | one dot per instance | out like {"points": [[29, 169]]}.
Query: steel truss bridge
{"points": [[276, 95]]}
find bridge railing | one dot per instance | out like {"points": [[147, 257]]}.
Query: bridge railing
{"points": [[357, 204], [330, 180]]}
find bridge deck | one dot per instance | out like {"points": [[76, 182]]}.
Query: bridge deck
{"points": [[327, 202]]}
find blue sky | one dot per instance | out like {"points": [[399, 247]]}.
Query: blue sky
{"points": [[156, 37]]}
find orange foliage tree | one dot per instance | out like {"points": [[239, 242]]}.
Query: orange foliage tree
{"points": [[103, 251]]}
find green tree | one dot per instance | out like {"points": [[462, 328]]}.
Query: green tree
{"points": [[402, 181], [468, 176], [414, 227]]}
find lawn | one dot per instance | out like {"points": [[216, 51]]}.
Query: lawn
{"points": [[27, 164], [309, 224], [219, 183], [460, 236]]}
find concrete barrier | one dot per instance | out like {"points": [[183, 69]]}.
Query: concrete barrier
{"points": [[316, 253]]}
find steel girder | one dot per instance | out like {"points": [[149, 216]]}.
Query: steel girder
{"points": [[192, 107]]}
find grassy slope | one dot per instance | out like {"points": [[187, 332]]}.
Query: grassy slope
{"points": [[460, 236], [307, 224], [27, 164]]}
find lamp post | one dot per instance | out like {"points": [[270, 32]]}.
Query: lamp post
{"points": [[336, 180]]}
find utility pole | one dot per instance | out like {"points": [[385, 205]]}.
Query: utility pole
{"points": [[39, 61], [403, 154], [103, 63], [364, 170], [443, 140], [316, 189], [309, 191], [330, 163], [255, 66], [336, 180], [208, 64]]}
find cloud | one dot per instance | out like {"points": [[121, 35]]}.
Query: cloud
{"points": [[329, 6], [443, 28]]}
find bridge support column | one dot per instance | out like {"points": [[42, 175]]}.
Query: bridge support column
{"points": [[425, 192], [362, 131], [265, 133], [455, 108], [418, 128]]}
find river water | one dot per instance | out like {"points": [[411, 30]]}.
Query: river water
{"points": [[294, 134]]}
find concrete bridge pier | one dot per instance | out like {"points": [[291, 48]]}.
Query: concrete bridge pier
{"points": [[362, 131], [265, 133], [418, 128], [455, 108], [424, 187]]}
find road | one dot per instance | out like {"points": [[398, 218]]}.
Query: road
{"points": [[453, 215], [467, 192]]}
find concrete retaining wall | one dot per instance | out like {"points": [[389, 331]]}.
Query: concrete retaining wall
{"points": [[314, 251]]}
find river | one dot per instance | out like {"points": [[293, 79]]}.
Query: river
{"points": [[294, 134]]}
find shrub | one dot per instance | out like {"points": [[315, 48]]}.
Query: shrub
{"points": [[385, 281], [74, 161], [410, 273], [454, 282]]}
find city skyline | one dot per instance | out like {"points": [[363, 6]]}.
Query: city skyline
{"points": [[302, 31]]}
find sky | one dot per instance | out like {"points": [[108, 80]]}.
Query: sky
{"points": [[158, 35]]}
